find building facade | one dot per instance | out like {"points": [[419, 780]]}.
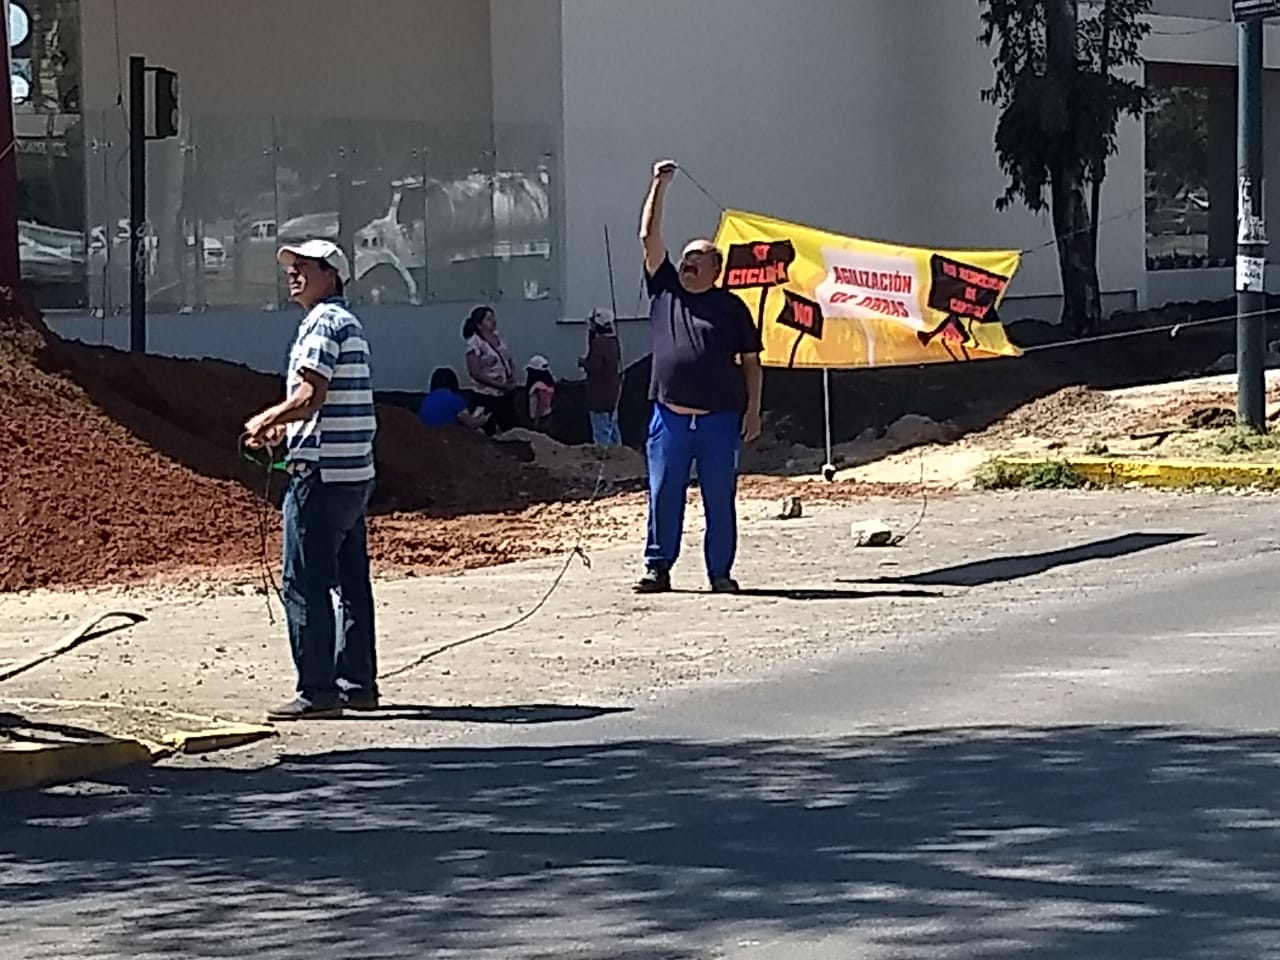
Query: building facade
{"points": [[469, 151]]}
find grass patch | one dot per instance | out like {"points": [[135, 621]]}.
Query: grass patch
{"points": [[1239, 440], [1049, 475]]}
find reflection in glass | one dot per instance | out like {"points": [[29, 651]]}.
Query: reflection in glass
{"points": [[228, 213], [49, 135], [524, 229], [1189, 204], [387, 207], [426, 213], [51, 235]]}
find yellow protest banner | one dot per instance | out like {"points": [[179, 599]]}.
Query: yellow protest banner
{"points": [[823, 300]]}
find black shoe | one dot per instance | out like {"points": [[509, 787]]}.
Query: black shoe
{"points": [[361, 700], [654, 581], [300, 708], [725, 585]]}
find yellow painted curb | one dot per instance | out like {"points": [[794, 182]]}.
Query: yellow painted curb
{"points": [[29, 765], [1175, 474], [219, 738]]}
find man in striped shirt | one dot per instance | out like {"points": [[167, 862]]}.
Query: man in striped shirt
{"points": [[327, 423]]}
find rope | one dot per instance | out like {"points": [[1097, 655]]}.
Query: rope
{"points": [[90, 629], [576, 552], [269, 465], [1172, 329]]}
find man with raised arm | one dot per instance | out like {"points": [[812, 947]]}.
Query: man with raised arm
{"points": [[705, 390]]}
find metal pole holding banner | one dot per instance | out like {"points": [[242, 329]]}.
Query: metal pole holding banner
{"points": [[137, 205], [828, 467], [1251, 237], [608, 259]]}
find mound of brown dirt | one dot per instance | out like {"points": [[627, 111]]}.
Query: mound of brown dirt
{"points": [[1064, 415], [118, 466], [84, 499]]}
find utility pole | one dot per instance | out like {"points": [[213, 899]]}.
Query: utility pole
{"points": [[10, 269], [1251, 237]]}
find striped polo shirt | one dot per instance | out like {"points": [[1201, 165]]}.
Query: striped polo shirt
{"points": [[338, 438]]}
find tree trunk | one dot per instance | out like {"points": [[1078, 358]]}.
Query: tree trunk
{"points": [[1072, 225], [1077, 256]]}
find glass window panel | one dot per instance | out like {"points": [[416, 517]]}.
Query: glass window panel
{"points": [[525, 214], [50, 152], [313, 182], [1190, 158], [230, 213], [459, 199], [107, 211], [388, 212]]}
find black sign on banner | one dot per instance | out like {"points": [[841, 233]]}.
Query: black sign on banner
{"points": [[964, 290], [1254, 9], [755, 265], [802, 315]]}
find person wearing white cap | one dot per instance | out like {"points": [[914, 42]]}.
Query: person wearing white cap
{"points": [[603, 367], [327, 423], [540, 385]]}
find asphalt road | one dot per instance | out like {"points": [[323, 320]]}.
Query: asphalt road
{"points": [[1088, 776]]}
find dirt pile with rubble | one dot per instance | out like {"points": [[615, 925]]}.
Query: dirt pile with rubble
{"points": [[118, 466]]}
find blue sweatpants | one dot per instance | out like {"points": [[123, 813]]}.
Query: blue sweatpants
{"points": [[675, 442]]}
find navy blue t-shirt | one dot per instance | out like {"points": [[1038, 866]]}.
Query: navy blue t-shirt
{"points": [[696, 340]]}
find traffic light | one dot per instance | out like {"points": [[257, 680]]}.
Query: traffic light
{"points": [[166, 103]]}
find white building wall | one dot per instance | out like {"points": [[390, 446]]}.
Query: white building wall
{"points": [[870, 123], [417, 60], [866, 119]]}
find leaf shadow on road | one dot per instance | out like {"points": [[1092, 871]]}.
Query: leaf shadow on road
{"points": [[1081, 842], [1002, 569]]}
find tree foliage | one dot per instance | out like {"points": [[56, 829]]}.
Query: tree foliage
{"points": [[1063, 82], [1058, 110]]}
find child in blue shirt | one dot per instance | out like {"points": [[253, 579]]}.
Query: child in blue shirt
{"points": [[445, 406]]}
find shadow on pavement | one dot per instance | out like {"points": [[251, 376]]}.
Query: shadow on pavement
{"points": [[1072, 842], [815, 593], [525, 714], [836, 593], [1000, 569]]}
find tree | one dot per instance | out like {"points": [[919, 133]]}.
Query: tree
{"points": [[1061, 89]]}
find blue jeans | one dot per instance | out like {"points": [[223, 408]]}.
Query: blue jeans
{"points": [[325, 550], [675, 442], [604, 429]]}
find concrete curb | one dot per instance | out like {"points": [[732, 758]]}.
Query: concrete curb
{"points": [[219, 738], [25, 766], [1170, 474]]}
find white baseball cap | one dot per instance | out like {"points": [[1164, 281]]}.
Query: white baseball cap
{"points": [[326, 251], [602, 318], [538, 362]]}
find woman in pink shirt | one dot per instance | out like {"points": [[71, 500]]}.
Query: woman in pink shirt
{"points": [[491, 369]]}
